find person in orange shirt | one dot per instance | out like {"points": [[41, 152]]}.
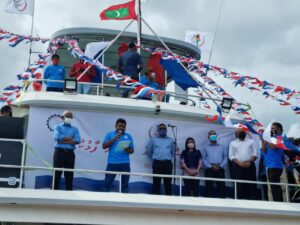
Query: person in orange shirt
{"points": [[77, 69]]}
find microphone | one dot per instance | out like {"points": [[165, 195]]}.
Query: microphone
{"points": [[170, 125]]}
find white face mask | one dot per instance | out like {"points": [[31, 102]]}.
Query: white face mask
{"points": [[191, 145], [68, 120]]}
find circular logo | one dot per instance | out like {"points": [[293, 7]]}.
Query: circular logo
{"points": [[53, 120], [20, 5], [12, 181]]}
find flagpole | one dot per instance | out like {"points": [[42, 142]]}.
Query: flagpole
{"points": [[31, 33], [139, 26]]}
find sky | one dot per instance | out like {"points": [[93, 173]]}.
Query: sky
{"points": [[254, 37]]}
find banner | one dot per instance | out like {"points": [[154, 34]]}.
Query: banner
{"points": [[20, 6], [93, 127]]}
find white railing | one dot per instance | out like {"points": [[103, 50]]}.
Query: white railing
{"points": [[100, 91], [177, 177]]}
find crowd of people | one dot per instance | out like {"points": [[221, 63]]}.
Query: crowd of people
{"points": [[161, 149], [129, 63]]}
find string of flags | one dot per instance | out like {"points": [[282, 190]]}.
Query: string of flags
{"points": [[35, 70]]}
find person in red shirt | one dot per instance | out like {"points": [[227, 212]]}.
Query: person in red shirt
{"points": [[77, 69]]}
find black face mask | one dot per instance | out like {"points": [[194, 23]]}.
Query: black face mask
{"points": [[273, 133], [242, 135]]}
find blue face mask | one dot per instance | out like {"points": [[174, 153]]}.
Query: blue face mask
{"points": [[213, 137], [162, 132]]}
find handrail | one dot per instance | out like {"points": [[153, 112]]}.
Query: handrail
{"points": [[100, 86], [180, 177]]}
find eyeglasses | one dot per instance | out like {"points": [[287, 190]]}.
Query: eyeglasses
{"points": [[162, 128]]}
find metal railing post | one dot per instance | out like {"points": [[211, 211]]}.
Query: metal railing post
{"points": [[120, 184], [235, 190], [287, 193], [180, 186], [53, 179]]}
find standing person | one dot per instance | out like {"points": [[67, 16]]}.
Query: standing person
{"points": [[215, 160], [275, 162], [77, 69], [190, 161], [66, 137], [161, 150], [6, 111], [243, 153], [120, 145], [55, 72], [130, 63]]}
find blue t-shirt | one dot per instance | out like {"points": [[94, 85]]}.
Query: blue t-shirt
{"points": [[56, 72], [117, 155], [144, 80], [191, 158], [263, 158], [274, 158], [129, 62]]}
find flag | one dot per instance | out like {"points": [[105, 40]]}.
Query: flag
{"points": [[124, 11], [92, 49], [20, 6], [202, 40]]}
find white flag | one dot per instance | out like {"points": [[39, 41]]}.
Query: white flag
{"points": [[20, 6], [93, 49], [202, 40]]}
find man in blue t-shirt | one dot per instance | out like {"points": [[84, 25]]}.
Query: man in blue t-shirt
{"points": [[275, 162], [55, 72], [120, 145]]}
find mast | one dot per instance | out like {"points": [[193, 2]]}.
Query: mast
{"points": [[139, 26]]}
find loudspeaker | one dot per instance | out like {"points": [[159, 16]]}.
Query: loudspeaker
{"points": [[11, 153]]}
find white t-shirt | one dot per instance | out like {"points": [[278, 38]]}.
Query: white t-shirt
{"points": [[242, 150]]}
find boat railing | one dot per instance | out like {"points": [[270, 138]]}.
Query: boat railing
{"points": [[101, 89], [179, 178]]}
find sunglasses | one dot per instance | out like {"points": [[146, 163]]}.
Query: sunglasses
{"points": [[162, 128]]}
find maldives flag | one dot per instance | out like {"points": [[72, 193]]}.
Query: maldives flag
{"points": [[124, 11]]}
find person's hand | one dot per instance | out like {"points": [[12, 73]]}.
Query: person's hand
{"points": [[117, 137]]}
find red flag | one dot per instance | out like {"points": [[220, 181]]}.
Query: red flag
{"points": [[123, 47], [124, 11], [154, 63]]}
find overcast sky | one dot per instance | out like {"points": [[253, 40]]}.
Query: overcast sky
{"points": [[255, 37]]}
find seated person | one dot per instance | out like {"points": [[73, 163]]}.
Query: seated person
{"points": [[55, 72], [149, 79], [76, 71]]}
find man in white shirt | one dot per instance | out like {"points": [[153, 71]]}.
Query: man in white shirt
{"points": [[243, 153]]}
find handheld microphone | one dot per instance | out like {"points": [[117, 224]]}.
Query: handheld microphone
{"points": [[170, 125]]}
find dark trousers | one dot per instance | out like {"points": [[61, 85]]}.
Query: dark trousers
{"points": [[64, 158], [191, 187], [109, 178], [263, 178], [220, 185], [162, 167], [274, 177], [54, 89], [245, 190]]}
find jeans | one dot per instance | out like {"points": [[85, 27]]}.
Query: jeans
{"points": [[109, 178], [84, 89]]}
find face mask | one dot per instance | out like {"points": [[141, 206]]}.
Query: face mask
{"points": [[213, 137], [162, 133], [191, 145], [242, 135], [68, 120]]}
